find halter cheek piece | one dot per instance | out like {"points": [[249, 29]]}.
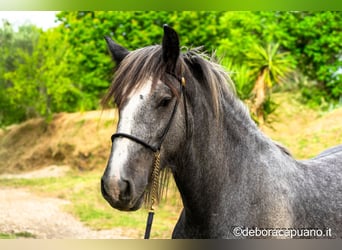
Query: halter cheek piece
{"points": [[156, 150]]}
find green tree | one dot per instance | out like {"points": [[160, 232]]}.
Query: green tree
{"points": [[315, 42], [40, 83], [12, 44], [312, 39], [240, 30], [270, 67], [132, 29]]}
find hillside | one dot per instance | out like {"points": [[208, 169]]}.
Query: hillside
{"points": [[305, 132], [82, 140]]}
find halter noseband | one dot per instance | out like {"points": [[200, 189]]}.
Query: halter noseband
{"points": [[156, 150]]}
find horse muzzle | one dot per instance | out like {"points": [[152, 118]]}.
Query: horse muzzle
{"points": [[120, 193]]}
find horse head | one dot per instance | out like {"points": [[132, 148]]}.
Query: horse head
{"points": [[147, 90]]}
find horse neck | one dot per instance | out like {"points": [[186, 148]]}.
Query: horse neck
{"points": [[215, 153]]}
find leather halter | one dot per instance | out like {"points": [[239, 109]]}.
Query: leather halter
{"points": [[156, 150]]}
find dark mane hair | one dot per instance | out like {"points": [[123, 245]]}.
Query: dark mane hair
{"points": [[211, 76], [142, 64]]}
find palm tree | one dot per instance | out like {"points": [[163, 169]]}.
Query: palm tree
{"points": [[270, 67]]}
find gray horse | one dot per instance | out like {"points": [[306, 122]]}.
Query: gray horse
{"points": [[234, 181]]}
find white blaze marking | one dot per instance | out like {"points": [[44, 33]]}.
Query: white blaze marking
{"points": [[120, 155]]}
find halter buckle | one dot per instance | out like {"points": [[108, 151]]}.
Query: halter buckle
{"points": [[183, 81]]}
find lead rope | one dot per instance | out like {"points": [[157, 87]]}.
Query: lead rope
{"points": [[154, 190], [156, 168]]}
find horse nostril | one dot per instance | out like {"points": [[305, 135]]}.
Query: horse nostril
{"points": [[125, 190], [116, 189]]}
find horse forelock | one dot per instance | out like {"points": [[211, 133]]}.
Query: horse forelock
{"points": [[137, 68]]}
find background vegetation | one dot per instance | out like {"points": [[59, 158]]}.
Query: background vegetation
{"points": [[67, 68], [289, 58]]}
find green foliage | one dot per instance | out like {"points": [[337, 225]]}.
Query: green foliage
{"points": [[240, 31], [19, 235], [278, 64], [316, 44], [241, 76], [269, 67], [88, 51], [268, 62], [269, 106], [68, 68], [311, 38], [40, 83], [12, 46]]}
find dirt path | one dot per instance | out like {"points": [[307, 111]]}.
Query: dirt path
{"points": [[24, 212]]}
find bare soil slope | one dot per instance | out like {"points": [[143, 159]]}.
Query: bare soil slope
{"points": [[304, 131], [79, 140]]}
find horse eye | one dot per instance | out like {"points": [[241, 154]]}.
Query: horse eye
{"points": [[164, 102]]}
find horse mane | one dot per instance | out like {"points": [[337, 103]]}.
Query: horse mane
{"points": [[143, 64], [211, 75], [133, 71]]}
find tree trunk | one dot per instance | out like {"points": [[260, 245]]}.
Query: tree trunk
{"points": [[259, 96]]}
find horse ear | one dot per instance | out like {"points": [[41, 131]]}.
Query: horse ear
{"points": [[117, 52], [170, 46]]}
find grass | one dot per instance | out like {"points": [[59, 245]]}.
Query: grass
{"points": [[16, 235], [87, 204]]}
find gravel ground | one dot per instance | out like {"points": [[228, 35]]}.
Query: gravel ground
{"points": [[50, 171], [22, 211]]}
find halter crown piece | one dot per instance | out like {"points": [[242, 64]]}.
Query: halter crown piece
{"points": [[156, 150]]}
